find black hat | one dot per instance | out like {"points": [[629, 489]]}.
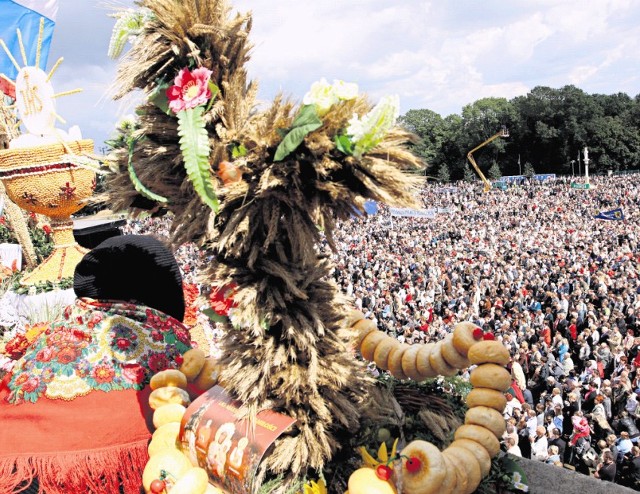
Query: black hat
{"points": [[132, 268]]}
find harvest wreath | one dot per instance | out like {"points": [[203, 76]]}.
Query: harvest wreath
{"points": [[423, 469]]}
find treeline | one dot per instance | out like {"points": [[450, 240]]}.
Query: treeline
{"points": [[548, 128]]}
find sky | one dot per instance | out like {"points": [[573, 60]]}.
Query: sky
{"points": [[437, 55]]}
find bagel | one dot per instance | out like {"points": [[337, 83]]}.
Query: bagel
{"points": [[481, 435], [489, 351], [365, 481], [168, 413], [194, 481], [381, 354], [450, 482], [370, 343], [486, 417], [439, 364], [209, 375], [166, 395], [432, 471], [486, 397], [409, 363], [363, 328], [353, 316], [463, 338], [491, 376], [467, 461], [395, 361], [422, 361], [452, 356], [481, 454], [168, 377], [462, 477], [192, 363]]}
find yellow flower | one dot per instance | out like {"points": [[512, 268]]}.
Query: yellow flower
{"points": [[315, 488]]}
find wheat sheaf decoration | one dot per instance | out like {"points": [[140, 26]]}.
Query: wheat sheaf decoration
{"points": [[259, 190]]}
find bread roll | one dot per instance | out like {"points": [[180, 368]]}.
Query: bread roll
{"points": [[466, 461], [423, 363], [192, 363], [481, 454], [486, 417], [452, 356], [409, 368], [481, 435], [168, 377], [209, 375], [194, 481], [168, 394], [463, 338], [430, 476], [438, 363], [369, 344], [486, 397], [491, 376], [395, 361], [382, 351], [168, 413], [489, 351], [170, 460], [450, 482], [363, 327]]}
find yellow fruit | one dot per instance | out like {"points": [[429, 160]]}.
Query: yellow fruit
{"points": [[194, 481], [365, 481], [168, 413], [170, 460]]}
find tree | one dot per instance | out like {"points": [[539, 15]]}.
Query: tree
{"points": [[494, 172], [469, 174], [443, 174], [528, 170]]}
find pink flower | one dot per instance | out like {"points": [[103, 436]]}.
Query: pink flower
{"points": [[191, 89], [133, 373], [31, 385], [45, 354]]}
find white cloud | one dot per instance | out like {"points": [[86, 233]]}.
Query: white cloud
{"points": [[434, 54]]}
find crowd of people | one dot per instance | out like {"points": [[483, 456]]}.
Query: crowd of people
{"points": [[558, 286]]}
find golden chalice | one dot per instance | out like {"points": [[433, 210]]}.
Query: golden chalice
{"points": [[42, 180]]}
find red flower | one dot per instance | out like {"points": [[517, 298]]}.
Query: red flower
{"points": [[45, 354], [66, 355], [2, 220], [134, 373], [47, 229], [103, 374], [123, 343], [31, 385], [16, 347], [158, 362], [156, 335], [221, 299], [191, 89], [22, 378]]}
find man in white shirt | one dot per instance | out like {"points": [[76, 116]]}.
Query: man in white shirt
{"points": [[540, 445]]}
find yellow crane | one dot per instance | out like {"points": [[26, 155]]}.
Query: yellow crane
{"points": [[503, 133]]}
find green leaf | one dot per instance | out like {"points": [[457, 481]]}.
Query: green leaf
{"points": [[194, 144], [307, 115], [344, 144], [293, 139], [214, 316], [170, 338], [214, 92], [159, 97], [238, 151], [305, 122], [137, 184]]}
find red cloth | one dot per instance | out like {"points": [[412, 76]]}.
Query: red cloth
{"points": [[94, 443]]}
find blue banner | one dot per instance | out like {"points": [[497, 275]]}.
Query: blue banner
{"points": [[613, 215], [25, 15]]}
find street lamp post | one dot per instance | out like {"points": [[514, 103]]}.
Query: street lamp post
{"points": [[586, 164], [572, 162]]}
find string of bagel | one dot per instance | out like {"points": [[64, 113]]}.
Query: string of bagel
{"points": [[460, 467]]}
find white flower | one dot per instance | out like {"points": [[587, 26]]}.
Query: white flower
{"points": [[345, 90], [368, 131], [324, 95], [321, 95]]}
